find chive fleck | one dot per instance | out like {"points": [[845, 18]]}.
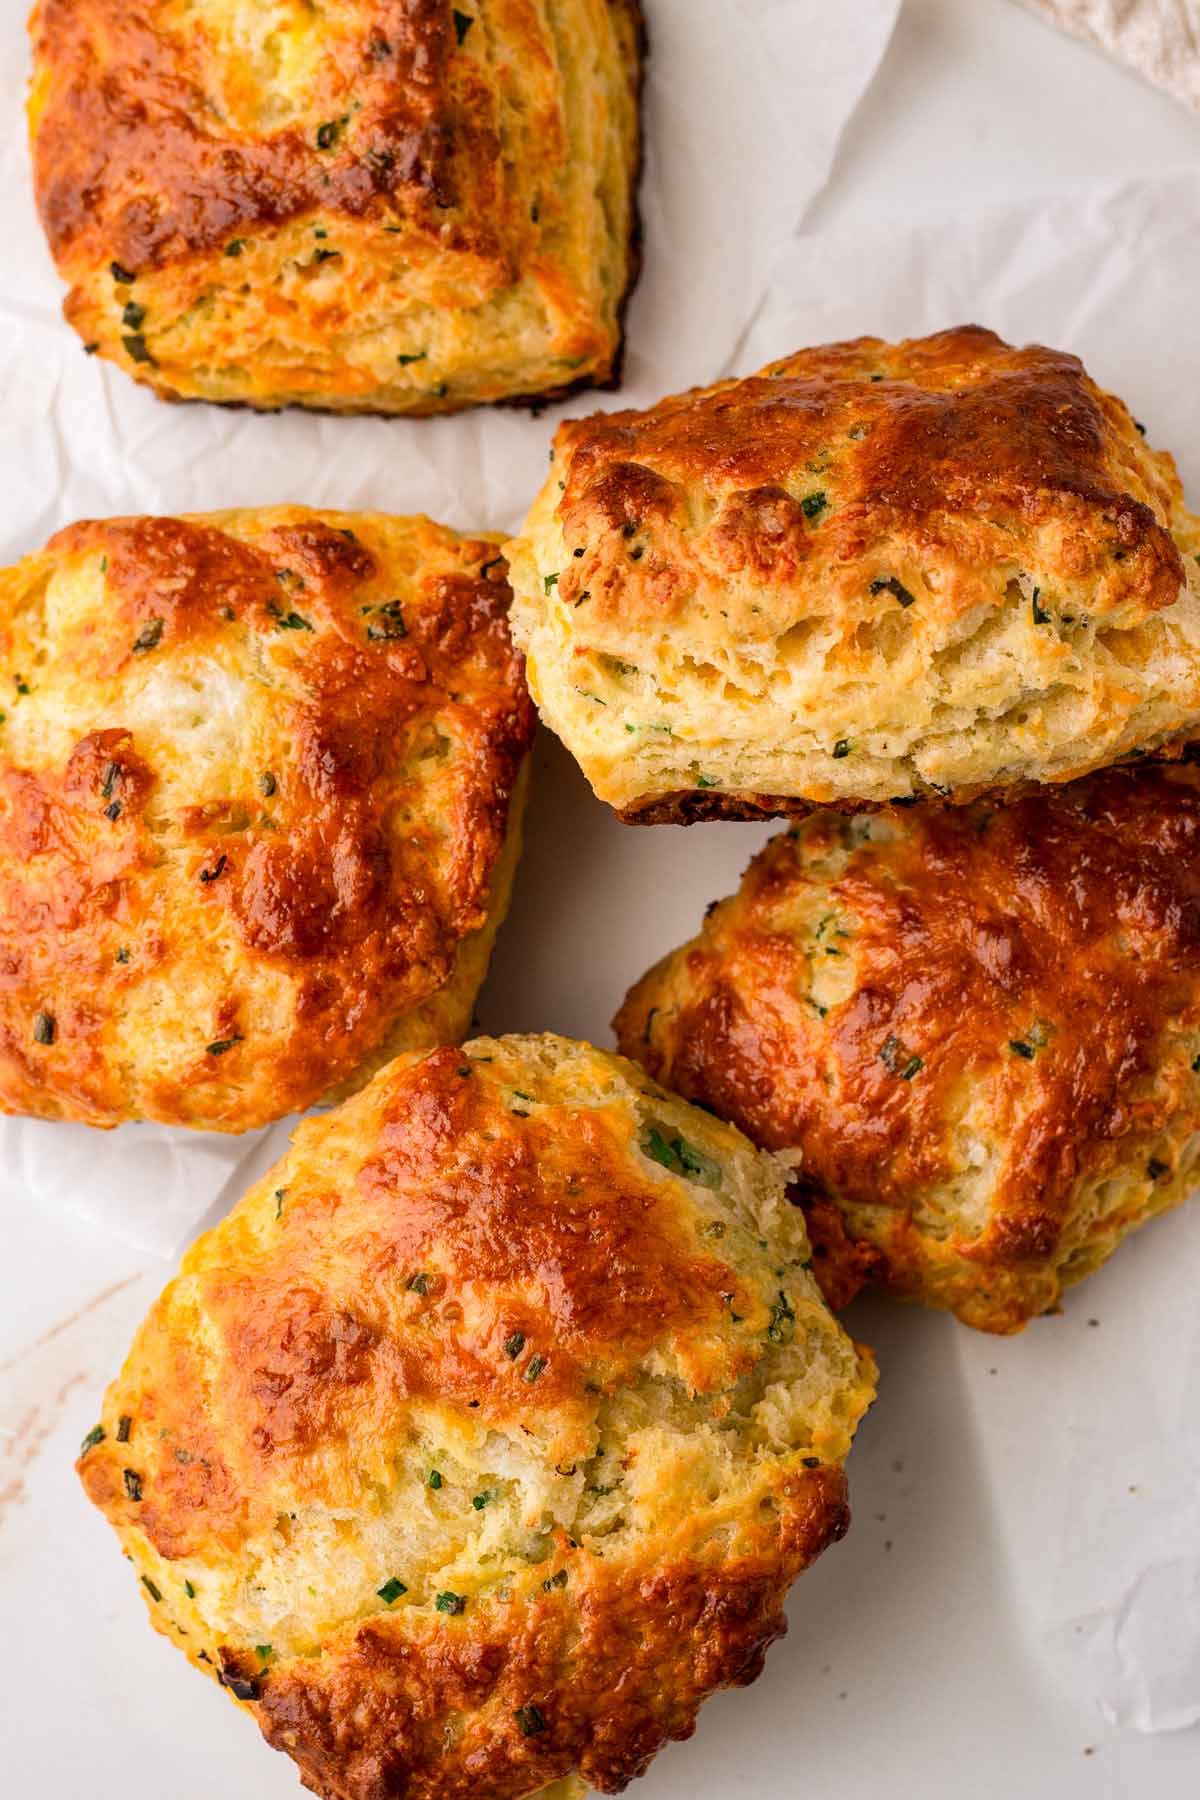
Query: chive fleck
{"points": [[1040, 615], [113, 810], [550, 581], [221, 1045], [135, 345], [189, 1590], [841, 748], [675, 1153], [328, 133], [1156, 1170], [393, 626], [280, 1197], [462, 24], [133, 1483], [534, 1367], [411, 356], [419, 1284], [43, 1028], [896, 588], [95, 1436], [811, 1462], [289, 621], [149, 636], [124, 1426], [134, 315], [235, 246], [897, 1061], [555, 1581], [1196, 1065], [264, 1652], [120, 274], [266, 783], [1019, 1048], [435, 1479], [705, 781], [479, 1501], [514, 1345], [217, 870], [813, 505], [531, 1720], [783, 1320], [154, 1592], [447, 1602], [391, 1590]]}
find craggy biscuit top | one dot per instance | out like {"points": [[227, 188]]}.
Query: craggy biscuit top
{"points": [[255, 773], [251, 202], [870, 571], [980, 1026], [865, 463], [483, 1439], [349, 110]]}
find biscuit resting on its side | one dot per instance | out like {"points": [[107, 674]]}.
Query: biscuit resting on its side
{"points": [[872, 571], [260, 783], [980, 1027], [401, 206], [483, 1440]]}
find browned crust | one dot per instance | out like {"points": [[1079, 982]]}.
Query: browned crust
{"points": [[317, 885], [953, 443], [410, 162], [1073, 913], [700, 806], [616, 1672], [294, 1354]]}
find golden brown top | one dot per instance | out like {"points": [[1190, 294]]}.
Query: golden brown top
{"points": [[854, 462], [367, 109], [969, 1020], [483, 1439], [391, 205], [254, 781]]}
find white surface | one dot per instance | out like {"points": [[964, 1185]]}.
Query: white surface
{"points": [[934, 1653]]}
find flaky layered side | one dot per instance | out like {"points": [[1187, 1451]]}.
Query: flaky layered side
{"points": [[388, 206], [871, 571], [484, 1438], [259, 806], [979, 1028]]}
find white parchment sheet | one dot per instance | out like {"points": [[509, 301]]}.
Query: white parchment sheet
{"points": [[1087, 1441]]}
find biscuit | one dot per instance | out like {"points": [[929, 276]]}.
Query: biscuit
{"points": [[979, 1027], [872, 571], [484, 1438], [259, 803], [396, 206]]}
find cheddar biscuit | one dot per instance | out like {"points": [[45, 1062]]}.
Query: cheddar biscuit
{"points": [[396, 206], [979, 1027], [483, 1439], [871, 571], [259, 801]]}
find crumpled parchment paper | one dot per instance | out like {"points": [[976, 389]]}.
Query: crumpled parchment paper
{"points": [[1158, 38]]}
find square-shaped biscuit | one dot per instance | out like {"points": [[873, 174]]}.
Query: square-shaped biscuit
{"points": [[397, 206], [261, 780], [869, 572]]}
